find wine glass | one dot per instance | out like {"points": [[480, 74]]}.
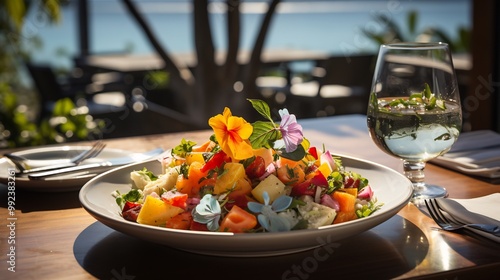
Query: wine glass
{"points": [[414, 110]]}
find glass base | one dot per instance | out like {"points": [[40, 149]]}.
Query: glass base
{"points": [[427, 192]]}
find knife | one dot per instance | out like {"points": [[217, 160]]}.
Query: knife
{"points": [[135, 157]]}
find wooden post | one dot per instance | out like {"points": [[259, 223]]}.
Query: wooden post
{"points": [[83, 27], [482, 101]]}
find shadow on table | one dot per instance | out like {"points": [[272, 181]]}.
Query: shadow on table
{"points": [[106, 254], [27, 201]]}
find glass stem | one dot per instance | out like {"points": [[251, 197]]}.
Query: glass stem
{"points": [[414, 170]]}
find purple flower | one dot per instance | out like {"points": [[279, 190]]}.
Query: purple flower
{"points": [[290, 130]]}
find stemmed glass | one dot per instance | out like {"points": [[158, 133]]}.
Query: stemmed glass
{"points": [[414, 110]]}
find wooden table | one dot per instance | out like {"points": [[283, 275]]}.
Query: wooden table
{"points": [[57, 239]]}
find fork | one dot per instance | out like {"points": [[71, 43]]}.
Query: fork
{"points": [[94, 151], [448, 223]]}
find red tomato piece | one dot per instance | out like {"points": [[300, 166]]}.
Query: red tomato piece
{"points": [[308, 187], [350, 182], [181, 221], [129, 205], [240, 200], [313, 151], [257, 168], [238, 220], [175, 199], [131, 211], [216, 161], [198, 226]]}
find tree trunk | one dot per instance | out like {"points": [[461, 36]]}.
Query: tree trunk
{"points": [[213, 86]]}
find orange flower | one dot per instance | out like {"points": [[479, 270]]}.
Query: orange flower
{"points": [[232, 133]]}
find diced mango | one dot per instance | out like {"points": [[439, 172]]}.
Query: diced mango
{"points": [[156, 212], [272, 185], [243, 187], [195, 157], [352, 191], [325, 169], [233, 172]]}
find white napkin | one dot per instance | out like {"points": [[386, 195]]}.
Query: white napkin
{"points": [[475, 153], [480, 210], [488, 206]]}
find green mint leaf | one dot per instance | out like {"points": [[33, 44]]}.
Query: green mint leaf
{"points": [[440, 104], [431, 103], [263, 133], [296, 155], [183, 148], [427, 91], [262, 108]]}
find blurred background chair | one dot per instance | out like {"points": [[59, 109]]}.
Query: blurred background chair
{"points": [[92, 94], [338, 85]]}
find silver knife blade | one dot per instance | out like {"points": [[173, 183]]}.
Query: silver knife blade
{"points": [[135, 157]]}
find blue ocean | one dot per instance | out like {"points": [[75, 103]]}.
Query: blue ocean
{"points": [[334, 26]]}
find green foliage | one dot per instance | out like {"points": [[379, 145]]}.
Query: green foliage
{"points": [[267, 133], [157, 79], [393, 33], [14, 46], [65, 124]]}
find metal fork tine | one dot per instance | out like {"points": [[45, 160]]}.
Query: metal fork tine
{"points": [[442, 217], [449, 223], [431, 210], [449, 218], [79, 158], [436, 213], [92, 152], [95, 151]]}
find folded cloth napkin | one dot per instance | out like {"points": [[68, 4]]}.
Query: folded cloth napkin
{"points": [[475, 153], [479, 210]]}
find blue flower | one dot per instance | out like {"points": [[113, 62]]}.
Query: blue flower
{"points": [[269, 217], [208, 212], [290, 130]]}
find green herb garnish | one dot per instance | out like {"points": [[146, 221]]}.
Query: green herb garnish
{"points": [[183, 148]]}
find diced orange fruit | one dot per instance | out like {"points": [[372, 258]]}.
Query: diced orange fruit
{"points": [[238, 220], [347, 207], [292, 163], [352, 191], [291, 176], [266, 154], [192, 184], [344, 217], [346, 201]]}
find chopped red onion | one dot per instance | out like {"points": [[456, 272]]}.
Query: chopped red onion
{"points": [[366, 193], [327, 157], [327, 200]]}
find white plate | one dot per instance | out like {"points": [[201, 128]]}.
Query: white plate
{"points": [[390, 187], [69, 182]]}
